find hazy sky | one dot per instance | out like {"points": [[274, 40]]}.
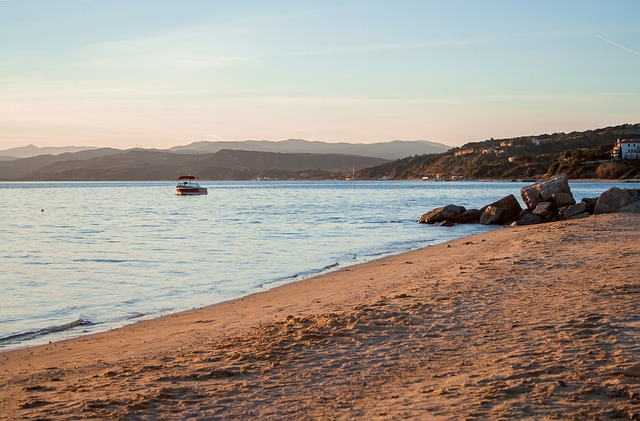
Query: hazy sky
{"points": [[160, 73]]}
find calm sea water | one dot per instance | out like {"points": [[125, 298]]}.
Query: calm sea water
{"points": [[87, 257]]}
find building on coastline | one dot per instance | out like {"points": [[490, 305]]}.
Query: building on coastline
{"points": [[467, 151], [626, 149]]}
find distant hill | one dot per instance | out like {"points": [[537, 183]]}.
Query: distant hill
{"points": [[139, 164], [16, 169], [583, 155], [386, 150], [31, 150]]}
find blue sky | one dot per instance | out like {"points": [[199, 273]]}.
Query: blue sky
{"points": [[160, 73]]}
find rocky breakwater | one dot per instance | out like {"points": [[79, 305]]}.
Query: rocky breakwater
{"points": [[545, 201]]}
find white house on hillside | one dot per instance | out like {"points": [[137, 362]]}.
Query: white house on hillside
{"points": [[626, 149]]}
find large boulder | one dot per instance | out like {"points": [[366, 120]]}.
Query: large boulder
{"points": [[503, 211], [630, 208], [528, 218], [573, 210], [531, 196], [491, 215], [554, 185], [471, 216], [615, 198], [441, 214], [562, 199], [545, 209], [544, 190]]}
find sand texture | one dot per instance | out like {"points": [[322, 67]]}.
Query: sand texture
{"points": [[539, 322]]}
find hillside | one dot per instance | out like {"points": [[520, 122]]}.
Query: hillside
{"points": [[139, 164], [578, 154]]}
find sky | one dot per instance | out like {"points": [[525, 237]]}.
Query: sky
{"points": [[162, 73]]}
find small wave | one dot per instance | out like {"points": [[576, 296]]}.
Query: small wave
{"points": [[380, 222], [303, 274], [26, 336], [101, 260]]}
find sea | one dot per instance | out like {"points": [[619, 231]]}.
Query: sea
{"points": [[84, 257]]}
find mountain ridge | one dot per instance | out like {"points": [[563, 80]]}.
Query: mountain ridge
{"points": [[386, 150], [394, 149], [32, 150], [580, 155]]}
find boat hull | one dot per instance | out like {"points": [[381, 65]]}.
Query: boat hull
{"points": [[191, 191]]}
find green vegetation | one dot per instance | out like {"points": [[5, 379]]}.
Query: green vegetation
{"points": [[580, 155]]}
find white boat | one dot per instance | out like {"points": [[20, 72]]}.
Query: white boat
{"points": [[188, 186]]}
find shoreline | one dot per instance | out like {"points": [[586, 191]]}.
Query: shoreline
{"points": [[336, 267], [223, 304], [441, 331]]}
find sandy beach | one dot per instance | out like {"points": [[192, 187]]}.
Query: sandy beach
{"points": [[538, 322]]}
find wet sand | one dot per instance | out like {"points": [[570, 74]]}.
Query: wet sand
{"points": [[537, 322]]}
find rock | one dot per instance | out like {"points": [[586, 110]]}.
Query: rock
{"points": [[510, 211], [444, 213], [591, 203], [471, 216], [580, 215], [545, 209], [531, 196], [544, 190], [529, 218], [562, 199], [572, 210], [630, 208], [491, 215], [557, 184], [615, 198]]}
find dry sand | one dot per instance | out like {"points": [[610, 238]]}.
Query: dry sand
{"points": [[537, 322]]}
